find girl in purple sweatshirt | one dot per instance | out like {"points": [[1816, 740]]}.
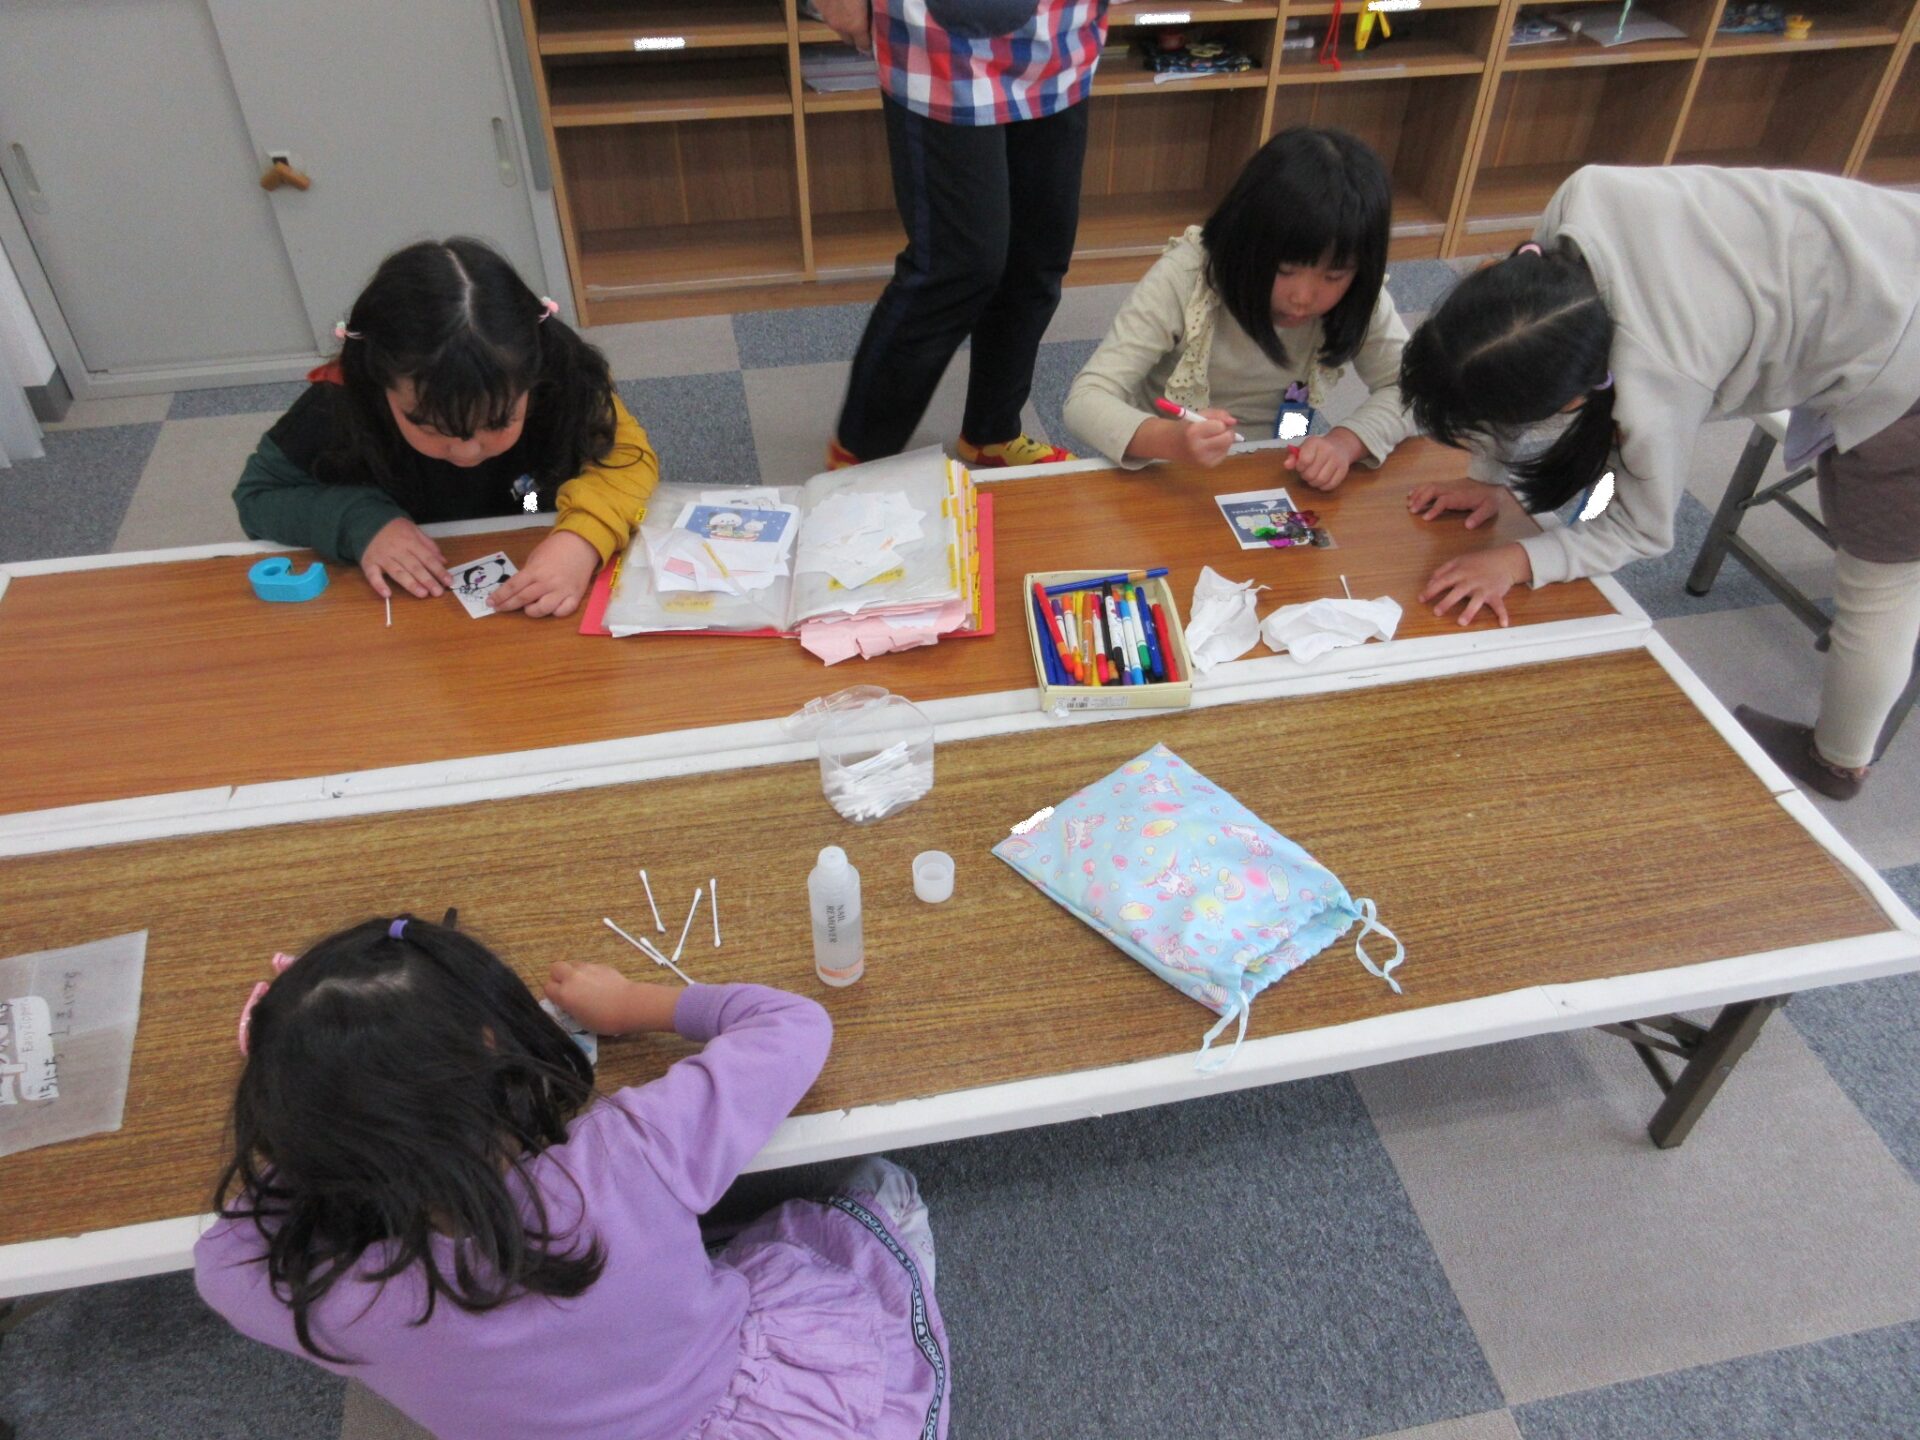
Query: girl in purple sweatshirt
{"points": [[427, 1195]]}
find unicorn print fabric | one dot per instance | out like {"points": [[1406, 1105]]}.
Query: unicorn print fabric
{"points": [[1192, 884]]}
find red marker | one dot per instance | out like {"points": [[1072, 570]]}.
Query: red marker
{"points": [[1166, 641], [1180, 412]]}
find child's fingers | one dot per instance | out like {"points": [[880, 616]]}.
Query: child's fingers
{"points": [[567, 607], [516, 592], [1482, 513], [377, 580], [399, 568]]}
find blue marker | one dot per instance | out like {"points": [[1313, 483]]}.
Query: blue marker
{"points": [[1145, 614]]}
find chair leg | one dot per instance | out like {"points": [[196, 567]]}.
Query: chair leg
{"points": [[1726, 519]]}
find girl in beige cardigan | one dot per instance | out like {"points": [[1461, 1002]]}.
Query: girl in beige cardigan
{"points": [[1283, 287]]}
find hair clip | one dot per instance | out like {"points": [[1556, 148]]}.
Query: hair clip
{"points": [[549, 307], [281, 960], [340, 332], [1530, 248], [1606, 384]]}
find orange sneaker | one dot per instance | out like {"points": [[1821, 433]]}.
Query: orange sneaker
{"points": [[839, 457], [1021, 450]]}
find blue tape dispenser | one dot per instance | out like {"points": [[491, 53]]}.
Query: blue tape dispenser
{"points": [[273, 579]]}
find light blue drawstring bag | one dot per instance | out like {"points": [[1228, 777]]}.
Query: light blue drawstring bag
{"points": [[1193, 885]]}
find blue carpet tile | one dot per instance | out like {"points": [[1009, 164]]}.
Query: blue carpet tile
{"points": [[699, 427], [236, 400], [71, 502]]}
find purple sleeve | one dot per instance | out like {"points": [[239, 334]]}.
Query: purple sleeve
{"points": [[229, 1270], [712, 1112]]}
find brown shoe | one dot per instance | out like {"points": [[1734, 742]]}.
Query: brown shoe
{"points": [[1792, 749]]}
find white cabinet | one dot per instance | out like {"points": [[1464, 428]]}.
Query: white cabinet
{"points": [[133, 135]]}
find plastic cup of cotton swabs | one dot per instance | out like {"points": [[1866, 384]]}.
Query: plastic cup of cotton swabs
{"points": [[876, 758]]}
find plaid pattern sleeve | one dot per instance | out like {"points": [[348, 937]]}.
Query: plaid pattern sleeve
{"points": [[1040, 69]]}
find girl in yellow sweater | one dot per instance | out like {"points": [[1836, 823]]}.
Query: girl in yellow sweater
{"points": [[458, 394]]}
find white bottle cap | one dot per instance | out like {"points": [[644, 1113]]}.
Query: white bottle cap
{"points": [[933, 876], [832, 857]]}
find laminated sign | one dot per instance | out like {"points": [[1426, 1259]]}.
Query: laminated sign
{"points": [[67, 1021]]}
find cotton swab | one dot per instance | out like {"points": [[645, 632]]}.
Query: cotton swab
{"points": [[689, 925], [658, 927], [389, 612], [1344, 586], [713, 904], [646, 950]]}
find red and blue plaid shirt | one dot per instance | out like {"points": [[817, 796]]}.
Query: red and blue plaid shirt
{"points": [[1040, 69]]}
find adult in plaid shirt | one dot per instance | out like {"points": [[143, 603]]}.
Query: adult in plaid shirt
{"points": [[986, 132]]}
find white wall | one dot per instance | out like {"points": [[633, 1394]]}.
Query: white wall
{"points": [[24, 357]]}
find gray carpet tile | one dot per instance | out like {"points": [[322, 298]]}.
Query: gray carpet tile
{"points": [[799, 337], [1855, 1387], [72, 500], [699, 427], [1054, 367], [1240, 1267], [1419, 285], [147, 1359], [236, 400], [1868, 1036]]}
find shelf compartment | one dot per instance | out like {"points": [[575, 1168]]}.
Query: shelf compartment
{"points": [[1691, 17], [1835, 26], [649, 91], [597, 27], [1418, 127], [1158, 163], [1754, 110], [1545, 124], [856, 230], [1129, 73], [664, 208], [1307, 9], [1450, 41], [1893, 157], [1201, 12]]}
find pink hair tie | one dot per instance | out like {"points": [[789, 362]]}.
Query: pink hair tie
{"points": [[281, 960], [340, 332], [1530, 248], [550, 308]]}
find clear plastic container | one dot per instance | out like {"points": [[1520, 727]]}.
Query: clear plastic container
{"points": [[876, 750]]}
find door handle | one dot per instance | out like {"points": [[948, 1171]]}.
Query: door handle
{"points": [[29, 182], [281, 173], [503, 151]]}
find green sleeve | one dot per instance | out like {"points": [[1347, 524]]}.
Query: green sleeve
{"points": [[277, 500]]}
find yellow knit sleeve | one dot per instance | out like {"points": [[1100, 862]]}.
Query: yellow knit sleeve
{"points": [[604, 502]]}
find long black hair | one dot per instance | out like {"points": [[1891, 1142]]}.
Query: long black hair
{"points": [[456, 319], [390, 1087], [1307, 196], [1515, 344]]}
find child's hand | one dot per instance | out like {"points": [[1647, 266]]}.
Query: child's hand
{"points": [[554, 580], [853, 20], [400, 550], [1431, 501], [606, 1002], [1196, 442], [1325, 459], [1481, 578]]}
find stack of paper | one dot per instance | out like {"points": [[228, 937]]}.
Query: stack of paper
{"points": [[832, 68], [732, 542]]}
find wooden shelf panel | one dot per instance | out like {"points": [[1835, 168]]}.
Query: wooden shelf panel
{"points": [[1835, 34], [1307, 9], [858, 242], [1198, 12], [1109, 81], [643, 93], [590, 27], [827, 102], [1512, 197], [1386, 59], [1137, 224], [652, 259], [1576, 54], [1895, 163]]}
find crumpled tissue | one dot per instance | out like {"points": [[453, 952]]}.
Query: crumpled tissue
{"points": [[1309, 631], [1223, 623]]}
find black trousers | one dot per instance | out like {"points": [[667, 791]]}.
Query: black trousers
{"points": [[990, 213]]}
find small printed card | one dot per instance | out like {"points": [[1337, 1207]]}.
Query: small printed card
{"points": [[475, 580], [755, 524], [1266, 520]]}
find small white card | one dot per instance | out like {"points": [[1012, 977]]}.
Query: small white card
{"points": [[475, 580]]}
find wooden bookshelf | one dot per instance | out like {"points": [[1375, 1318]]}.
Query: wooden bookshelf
{"points": [[697, 172]]}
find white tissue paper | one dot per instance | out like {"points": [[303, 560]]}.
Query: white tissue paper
{"points": [[1309, 631], [1223, 622]]}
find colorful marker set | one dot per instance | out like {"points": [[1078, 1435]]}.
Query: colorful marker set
{"points": [[1107, 641]]}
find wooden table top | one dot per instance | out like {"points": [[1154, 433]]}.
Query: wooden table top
{"points": [[1535, 825], [157, 678]]}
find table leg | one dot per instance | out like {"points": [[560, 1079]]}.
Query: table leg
{"points": [[1710, 1053]]}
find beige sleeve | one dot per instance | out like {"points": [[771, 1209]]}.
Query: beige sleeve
{"points": [[1381, 419], [1108, 399]]}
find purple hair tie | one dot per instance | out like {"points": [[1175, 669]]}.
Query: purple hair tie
{"points": [[397, 930], [1606, 384]]}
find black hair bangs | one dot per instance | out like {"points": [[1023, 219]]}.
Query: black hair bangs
{"points": [[470, 387], [1308, 197]]}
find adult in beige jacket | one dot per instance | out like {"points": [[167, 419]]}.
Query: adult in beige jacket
{"points": [[1650, 301]]}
